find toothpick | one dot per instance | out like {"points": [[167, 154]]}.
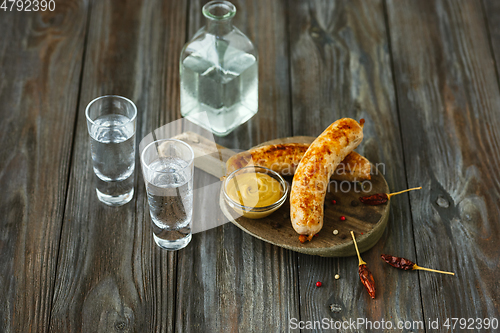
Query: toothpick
{"points": [[410, 189], [361, 262], [416, 267]]}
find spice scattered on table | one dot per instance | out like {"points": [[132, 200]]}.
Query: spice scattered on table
{"points": [[337, 276], [335, 232], [365, 275], [334, 202], [342, 218], [382, 198], [318, 284], [407, 265]]}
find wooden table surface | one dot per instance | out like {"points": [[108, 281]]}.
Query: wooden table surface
{"points": [[424, 75]]}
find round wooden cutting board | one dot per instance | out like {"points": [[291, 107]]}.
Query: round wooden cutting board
{"points": [[367, 222]]}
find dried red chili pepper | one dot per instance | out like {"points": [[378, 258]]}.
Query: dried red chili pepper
{"points": [[367, 279], [398, 262], [365, 275], [407, 265], [382, 198], [375, 199]]}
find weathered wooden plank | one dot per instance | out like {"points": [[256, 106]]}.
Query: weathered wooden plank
{"points": [[111, 276], [340, 65], [227, 280], [492, 14], [41, 57], [449, 99]]}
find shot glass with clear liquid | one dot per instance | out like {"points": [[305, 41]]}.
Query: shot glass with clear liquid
{"points": [[111, 122], [167, 167]]}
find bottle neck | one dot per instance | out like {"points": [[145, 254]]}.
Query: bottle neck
{"points": [[219, 27], [219, 16]]}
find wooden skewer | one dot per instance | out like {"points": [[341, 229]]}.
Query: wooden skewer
{"points": [[416, 267], [410, 189], [361, 262]]}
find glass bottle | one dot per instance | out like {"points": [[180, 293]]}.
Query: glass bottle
{"points": [[219, 73]]}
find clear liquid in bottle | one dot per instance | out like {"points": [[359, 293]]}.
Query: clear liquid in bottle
{"points": [[219, 80]]}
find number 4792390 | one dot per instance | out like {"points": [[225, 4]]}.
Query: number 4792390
{"points": [[28, 5]]}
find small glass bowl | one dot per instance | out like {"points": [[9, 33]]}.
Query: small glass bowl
{"points": [[255, 212]]}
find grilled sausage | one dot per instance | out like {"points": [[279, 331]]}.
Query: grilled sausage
{"points": [[311, 178], [284, 159]]}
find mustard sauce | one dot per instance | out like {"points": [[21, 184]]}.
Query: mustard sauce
{"points": [[254, 190]]}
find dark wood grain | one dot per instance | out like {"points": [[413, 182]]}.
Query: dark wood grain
{"points": [[492, 15], [228, 280], [111, 276], [40, 57], [340, 65], [422, 73], [449, 99]]}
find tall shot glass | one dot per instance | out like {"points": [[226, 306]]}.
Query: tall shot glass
{"points": [[167, 167], [111, 122]]}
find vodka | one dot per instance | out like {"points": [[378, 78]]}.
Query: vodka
{"points": [[170, 198], [227, 91], [112, 144]]}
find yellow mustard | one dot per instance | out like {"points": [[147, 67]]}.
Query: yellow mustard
{"points": [[254, 190]]}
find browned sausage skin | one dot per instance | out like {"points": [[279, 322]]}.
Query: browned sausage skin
{"points": [[311, 178], [284, 159]]}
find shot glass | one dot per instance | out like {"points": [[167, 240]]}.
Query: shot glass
{"points": [[111, 122], [167, 167]]}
